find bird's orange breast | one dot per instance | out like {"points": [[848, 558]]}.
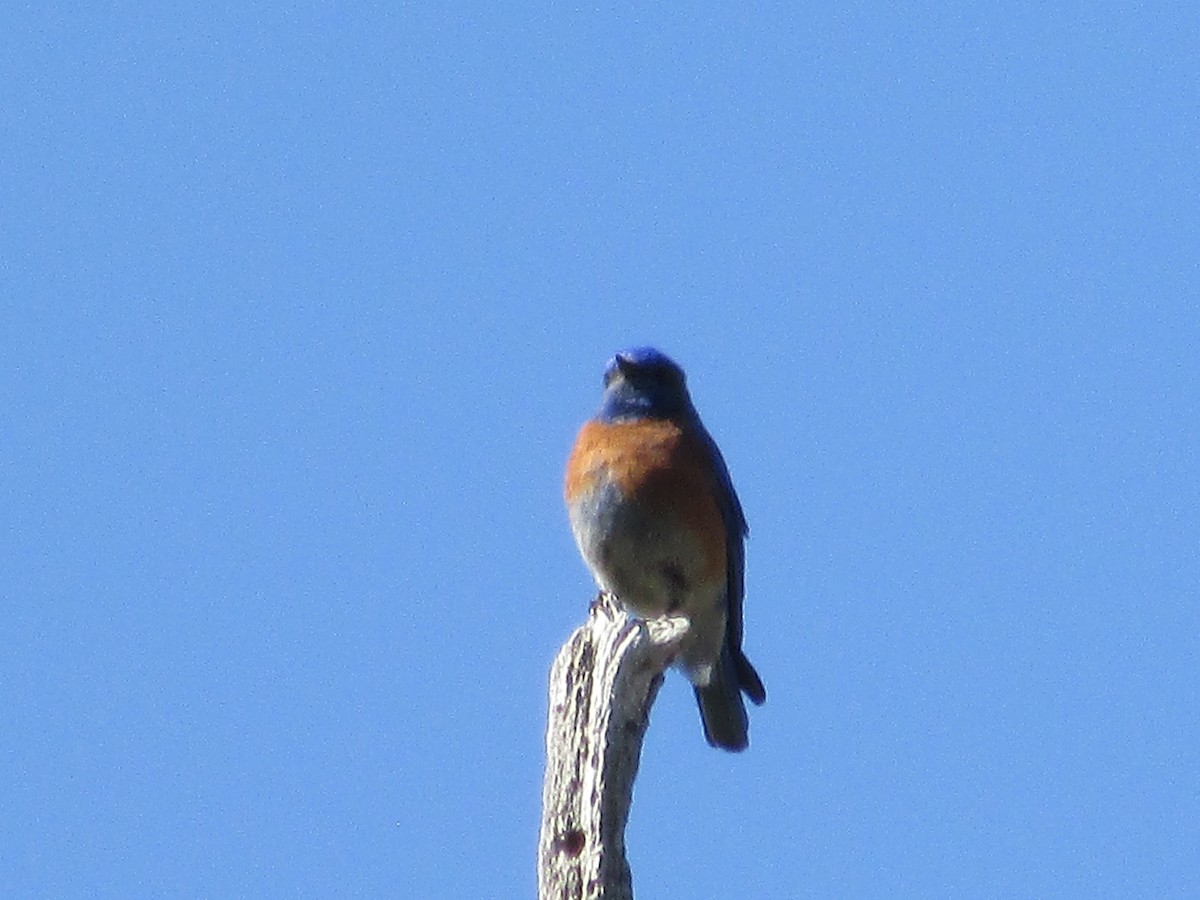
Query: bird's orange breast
{"points": [[663, 470]]}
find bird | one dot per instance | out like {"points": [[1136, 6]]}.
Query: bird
{"points": [[658, 523]]}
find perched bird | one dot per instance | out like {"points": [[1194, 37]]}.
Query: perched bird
{"points": [[658, 523]]}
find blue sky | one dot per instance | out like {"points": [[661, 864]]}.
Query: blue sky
{"points": [[301, 306]]}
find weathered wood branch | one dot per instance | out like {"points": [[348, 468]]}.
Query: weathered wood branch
{"points": [[602, 684]]}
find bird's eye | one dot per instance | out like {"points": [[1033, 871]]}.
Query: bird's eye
{"points": [[666, 375]]}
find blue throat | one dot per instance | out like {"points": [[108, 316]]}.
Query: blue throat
{"points": [[623, 404]]}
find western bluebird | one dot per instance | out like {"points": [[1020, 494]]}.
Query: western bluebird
{"points": [[658, 523]]}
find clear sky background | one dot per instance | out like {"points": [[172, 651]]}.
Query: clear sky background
{"points": [[302, 305]]}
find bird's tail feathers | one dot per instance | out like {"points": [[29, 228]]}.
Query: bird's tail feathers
{"points": [[748, 679], [722, 711]]}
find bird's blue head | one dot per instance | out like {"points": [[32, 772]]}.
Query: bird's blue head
{"points": [[643, 382]]}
